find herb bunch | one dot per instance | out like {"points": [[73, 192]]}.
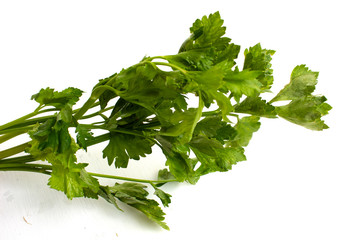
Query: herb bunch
{"points": [[151, 108]]}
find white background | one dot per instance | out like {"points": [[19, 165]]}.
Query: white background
{"points": [[296, 184]]}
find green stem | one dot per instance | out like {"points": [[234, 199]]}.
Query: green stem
{"points": [[97, 113], [31, 122], [21, 119], [26, 169], [85, 107], [118, 130], [131, 179], [23, 165], [14, 150], [13, 130], [98, 139], [39, 168], [21, 159], [171, 65], [94, 105], [11, 135], [217, 112], [43, 168], [96, 93]]}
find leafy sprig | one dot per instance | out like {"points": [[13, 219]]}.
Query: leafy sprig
{"points": [[152, 109]]}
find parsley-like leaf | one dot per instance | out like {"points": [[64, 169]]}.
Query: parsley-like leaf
{"points": [[302, 84], [305, 109], [256, 107], [245, 127], [213, 156], [153, 108], [51, 97], [258, 59], [135, 195], [164, 197], [123, 147], [83, 136], [306, 112], [243, 82]]}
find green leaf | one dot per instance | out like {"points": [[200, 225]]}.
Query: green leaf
{"points": [[71, 178], [163, 196], [208, 31], [107, 95], [65, 114], [229, 54], [306, 112], [152, 210], [123, 147], [223, 102], [135, 195], [305, 109], [135, 191], [192, 60], [164, 174], [92, 186], [302, 84], [144, 85], [177, 158], [243, 82], [245, 127], [256, 107], [42, 131], [213, 156], [52, 134], [83, 135], [258, 59], [211, 79], [207, 37], [50, 97], [214, 127], [182, 123], [67, 180], [104, 192]]}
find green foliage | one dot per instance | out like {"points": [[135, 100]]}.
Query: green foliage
{"points": [[153, 108], [123, 147], [50, 97], [134, 195], [257, 107], [302, 84], [258, 59], [304, 109]]}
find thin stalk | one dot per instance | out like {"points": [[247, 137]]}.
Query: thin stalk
{"points": [[26, 169], [21, 119], [14, 150], [20, 129], [131, 179], [21, 159], [94, 105], [118, 130], [31, 122], [43, 168], [24, 123], [171, 65], [39, 168], [98, 139], [96, 93], [88, 104], [217, 112], [97, 113], [24, 165], [11, 135]]}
